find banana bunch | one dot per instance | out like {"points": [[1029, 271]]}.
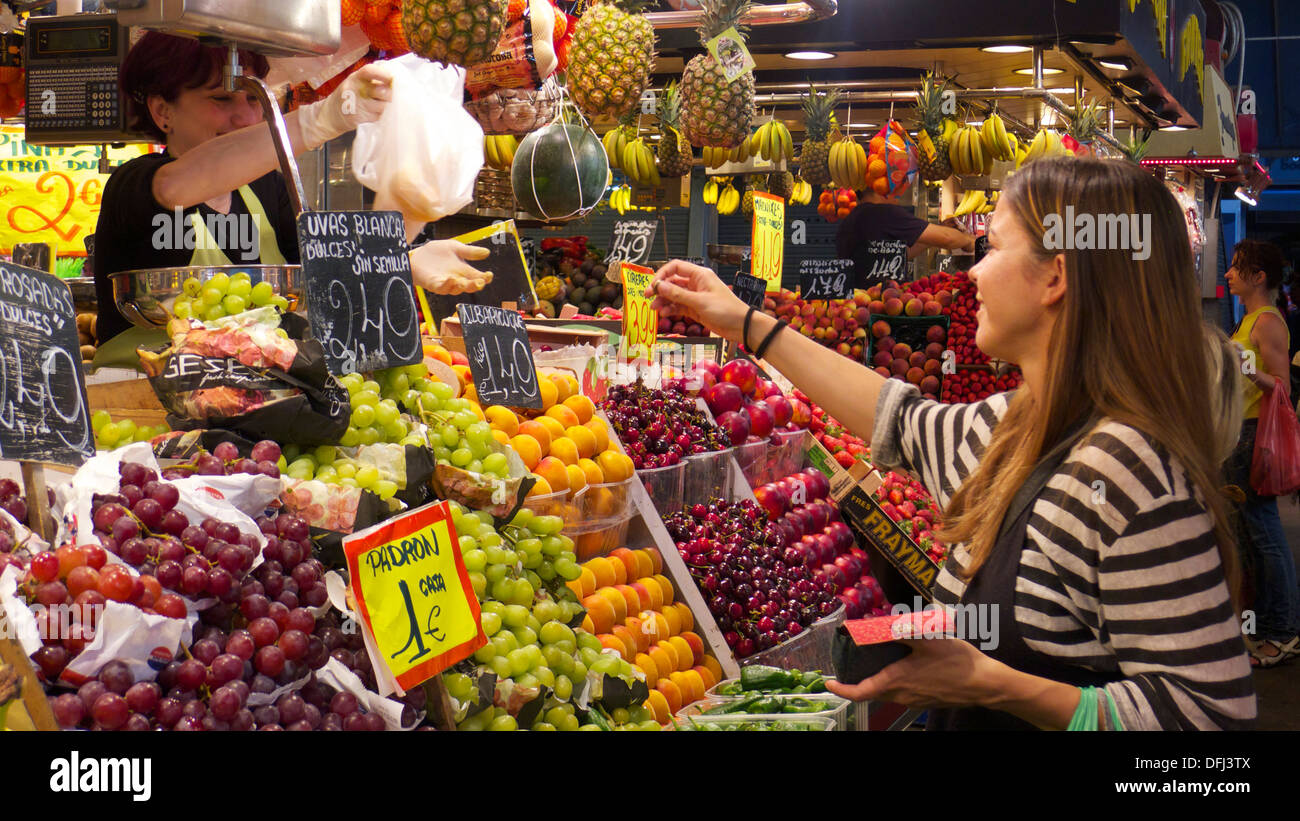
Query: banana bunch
{"points": [[742, 152], [773, 142], [638, 162], [499, 150], [615, 141], [1191, 51], [970, 203], [848, 162], [728, 200], [1045, 144], [710, 195], [714, 157], [966, 152], [990, 203], [995, 140], [620, 199], [803, 192]]}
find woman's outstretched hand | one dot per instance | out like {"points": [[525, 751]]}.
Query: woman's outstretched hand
{"points": [[689, 291]]}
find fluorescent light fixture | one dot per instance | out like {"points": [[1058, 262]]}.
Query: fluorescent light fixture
{"points": [[1115, 63], [1029, 72], [1006, 49], [810, 55], [1174, 128], [1243, 194]]}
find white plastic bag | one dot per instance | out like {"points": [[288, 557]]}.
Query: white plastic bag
{"points": [[144, 642], [424, 154]]}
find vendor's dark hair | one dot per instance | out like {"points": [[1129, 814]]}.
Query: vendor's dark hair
{"points": [[1255, 255], [165, 65]]}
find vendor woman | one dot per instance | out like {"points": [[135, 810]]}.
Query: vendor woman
{"points": [[214, 196]]}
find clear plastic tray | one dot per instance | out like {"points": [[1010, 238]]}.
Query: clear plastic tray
{"points": [[836, 708], [754, 462], [600, 518], [790, 722], [665, 486], [708, 476], [787, 458]]}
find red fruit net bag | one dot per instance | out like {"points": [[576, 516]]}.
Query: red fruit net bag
{"points": [[1275, 466], [891, 160]]}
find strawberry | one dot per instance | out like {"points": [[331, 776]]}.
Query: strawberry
{"points": [[846, 461], [896, 496], [908, 509], [890, 511], [855, 449]]}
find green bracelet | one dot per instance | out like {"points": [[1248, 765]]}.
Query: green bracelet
{"points": [[1085, 715]]}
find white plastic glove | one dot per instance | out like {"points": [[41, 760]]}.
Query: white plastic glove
{"points": [[361, 98], [440, 267]]}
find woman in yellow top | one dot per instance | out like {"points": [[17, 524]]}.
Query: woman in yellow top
{"points": [[1254, 278]]}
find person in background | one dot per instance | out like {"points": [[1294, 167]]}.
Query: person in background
{"points": [[1255, 278], [882, 218]]}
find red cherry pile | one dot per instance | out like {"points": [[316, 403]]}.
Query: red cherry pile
{"points": [[660, 427]]}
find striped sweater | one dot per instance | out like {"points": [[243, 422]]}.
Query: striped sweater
{"points": [[1130, 586]]}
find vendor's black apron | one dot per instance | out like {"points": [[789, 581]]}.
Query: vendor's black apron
{"points": [[995, 583]]}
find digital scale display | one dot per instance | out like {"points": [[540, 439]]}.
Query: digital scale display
{"points": [[61, 41]]}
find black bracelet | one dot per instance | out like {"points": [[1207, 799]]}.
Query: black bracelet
{"points": [[762, 347], [744, 333]]}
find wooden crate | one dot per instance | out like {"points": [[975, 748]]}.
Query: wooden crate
{"points": [[132, 399]]}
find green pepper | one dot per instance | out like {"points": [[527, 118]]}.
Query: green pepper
{"points": [[730, 688], [802, 705], [762, 677], [811, 678], [601, 720], [765, 706], [745, 705], [799, 689]]}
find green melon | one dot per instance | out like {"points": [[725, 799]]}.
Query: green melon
{"points": [[559, 171]]}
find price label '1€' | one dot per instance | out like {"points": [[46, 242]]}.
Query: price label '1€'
{"points": [[414, 594], [640, 321], [768, 254]]}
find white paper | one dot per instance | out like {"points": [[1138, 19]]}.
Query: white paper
{"points": [[126, 633], [337, 675], [19, 622], [251, 495]]}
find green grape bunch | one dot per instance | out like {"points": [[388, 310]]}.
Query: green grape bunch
{"points": [[110, 435], [222, 295]]}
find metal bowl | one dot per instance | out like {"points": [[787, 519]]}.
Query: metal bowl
{"points": [[83, 292], [146, 297], [728, 254]]}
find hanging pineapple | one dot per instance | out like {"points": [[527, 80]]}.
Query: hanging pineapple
{"points": [[819, 109], [934, 134], [781, 183], [715, 112], [755, 182], [674, 153], [461, 32], [611, 58]]}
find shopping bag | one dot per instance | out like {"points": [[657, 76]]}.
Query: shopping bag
{"points": [[1275, 466], [424, 154]]}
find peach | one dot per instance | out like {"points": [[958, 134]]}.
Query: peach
{"points": [[656, 558], [885, 372], [638, 630], [671, 692], [706, 675], [673, 620], [891, 293], [630, 596], [669, 650], [913, 307], [893, 307], [915, 375], [873, 292], [936, 333], [601, 612], [647, 665], [934, 351], [555, 473], [529, 450], [624, 633], [696, 643], [930, 384], [644, 563], [539, 432], [628, 558], [899, 367], [876, 306], [944, 298], [932, 367], [917, 359], [931, 308], [688, 620], [602, 570], [616, 601], [658, 704], [610, 641], [666, 586], [902, 350], [714, 667], [880, 329]]}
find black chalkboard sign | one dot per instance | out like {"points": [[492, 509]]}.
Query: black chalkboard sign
{"points": [[885, 260], [360, 302], [750, 289], [43, 407], [511, 281], [500, 359], [528, 246], [631, 241], [826, 278], [981, 247]]}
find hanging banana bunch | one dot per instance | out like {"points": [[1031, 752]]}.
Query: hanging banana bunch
{"points": [[1046, 143], [995, 140], [773, 142], [966, 152], [802, 192], [848, 164], [499, 150], [620, 199], [710, 195], [715, 157], [638, 162], [742, 152], [970, 203], [615, 141], [728, 199]]}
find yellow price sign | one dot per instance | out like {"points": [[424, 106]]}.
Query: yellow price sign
{"points": [[767, 254], [413, 592], [640, 321]]}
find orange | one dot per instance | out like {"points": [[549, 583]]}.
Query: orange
{"points": [[616, 601], [673, 618], [688, 620], [601, 431], [564, 449], [539, 433], [706, 675], [644, 566], [671, 692], [550, 394], [552, 426], [602, 570], [564, 414], [500, 436], [713, 667], [577, 479], [674, 658], [582, 406], [594, 474], [562, 388], [602, 614], [614, 642], [529, 449], [663, 661], [630, 596], [655, 558], [617, 466], [647, 665], [621, 631], [637, 628], [658, 703], [628, 559], [540, 488], [685, 656], [583, 438], [502, 418], [696, 643], [666, 586]]}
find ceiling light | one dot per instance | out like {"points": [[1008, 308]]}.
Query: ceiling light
{"points": [[1174, 128], [1006, 49], [1066, 91], [1029, 72], [810, 55], [1244, 194], [1115, 63]]}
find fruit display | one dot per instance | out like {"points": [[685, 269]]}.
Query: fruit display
{"points": [[660, 426], [966, 152], [110, 435], [668, 326], [617, 138], [757, 587], [611, 58], [86, 324], [381, 20], [716, 112], [935, 130], [773, 143], [801, 193], [998, 143], [835, 204], [910, 352], [848, 164], [499, 150], [1046, 143], [638, 162], [906, 501], [559, 171], [975, 201], [724, 194], [580, 282], [891, 160], [765, 680], [222, 295], [814, 154], [839, 324], [460, 32], [673, 156], [746, 407]]}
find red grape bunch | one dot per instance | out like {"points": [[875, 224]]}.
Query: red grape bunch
{"points": [[224, 460]]}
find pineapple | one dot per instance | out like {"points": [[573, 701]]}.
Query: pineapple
{"points": [[782, 184], [674, 154], [715, 112], [819, 108], [611, 58], [929, 109], [757, 182], [461, 32]]}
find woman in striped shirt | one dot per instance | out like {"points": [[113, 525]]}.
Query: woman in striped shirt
{"points": [[1118, 570]]}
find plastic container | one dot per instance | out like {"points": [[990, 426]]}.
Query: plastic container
{"points": [[837, 708], [788, 456], [753, 460], [600, 517], [550, 504], [790, 722], [665, 486], [810, 650], [708, 476]]}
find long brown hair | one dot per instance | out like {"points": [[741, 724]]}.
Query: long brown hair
{"points": [[1126, 346]]}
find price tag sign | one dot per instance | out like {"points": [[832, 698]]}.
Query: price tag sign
{"points": [[412, 590], [360, 300], [500, 358], [640, 321], [768, 254], [528, 247], [750, 289], [43, 416], [826, 278], [884, 260], [631, 241]]}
